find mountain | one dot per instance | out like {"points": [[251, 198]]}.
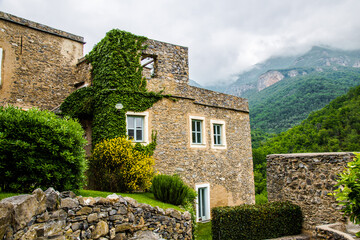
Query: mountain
{"points": [[275, 69], [334, 128], [289, 101]]}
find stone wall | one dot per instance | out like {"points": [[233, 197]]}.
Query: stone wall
{"points": [[38, 63], [306, 180], [50, 215], [335, 231]]}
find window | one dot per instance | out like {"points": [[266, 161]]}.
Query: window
{"points": [[197, 132], [137, 126], [1, 56], [217, 134], [203, 202], [218, 137]]}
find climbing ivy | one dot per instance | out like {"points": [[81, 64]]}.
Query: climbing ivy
{"points": [[117, 78]]}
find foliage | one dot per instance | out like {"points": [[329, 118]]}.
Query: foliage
{"points": [[117, 78], [261, 198], [334, 128], [116, 165], [288, 102], [253, 222], [39, 150], [172, 189], [348, 192]]}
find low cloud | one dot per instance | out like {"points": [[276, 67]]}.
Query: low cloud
{"points": [[224, 38]]}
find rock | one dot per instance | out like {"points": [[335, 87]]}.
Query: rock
{"points": [[43, 217], [84, 211], [145, 235], [112, 233], [52, 200], [123, 227], [89, 201], [41, 198], [6, 217], [25, 207], [92, 217], [100, 230], [67, 194], [187, 216], [54, 228], [132, 202], [69, 203], [113, 198]]}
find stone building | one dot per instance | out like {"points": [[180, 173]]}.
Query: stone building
{"points": [[204, 136]]}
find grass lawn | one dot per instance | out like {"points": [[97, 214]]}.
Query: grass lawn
{"points": [[147, 198], [203, 231]]}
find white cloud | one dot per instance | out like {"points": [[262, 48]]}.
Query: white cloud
{"points": [[224, 37]]}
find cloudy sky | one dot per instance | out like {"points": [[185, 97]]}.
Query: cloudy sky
{"points": [[224, 37]]}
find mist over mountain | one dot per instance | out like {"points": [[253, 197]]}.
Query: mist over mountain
{"points": [[283, 91], [275, 69]]}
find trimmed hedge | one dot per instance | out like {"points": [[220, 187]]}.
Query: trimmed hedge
{"points": [[40, 150], [254, 222]]}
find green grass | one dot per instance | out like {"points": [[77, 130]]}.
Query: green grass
{"points": [[147, 198], [6, 195], [203, 231]]}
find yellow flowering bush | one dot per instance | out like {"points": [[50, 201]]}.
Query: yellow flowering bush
{"points": [[116, 165]]}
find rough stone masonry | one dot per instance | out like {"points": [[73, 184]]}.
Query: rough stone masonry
{"points": [[54, 215]]}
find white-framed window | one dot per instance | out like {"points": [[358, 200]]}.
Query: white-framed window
{"points": [[197, 131], [1, 57], [218, 136], [202, 202], [137, 126]]}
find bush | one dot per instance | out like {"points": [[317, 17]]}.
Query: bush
{"points": [[171, 189], [348, 192], [40, 150], [118, 166], [253, 222], [261, 198]]}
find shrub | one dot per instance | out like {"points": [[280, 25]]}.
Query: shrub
{"points": [[171, 189], [39, 150], [253, 222], [117, 165], [261, 198], [348, 192]]}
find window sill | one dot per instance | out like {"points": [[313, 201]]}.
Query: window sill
{"points": [[218, 146], [197, 145]]}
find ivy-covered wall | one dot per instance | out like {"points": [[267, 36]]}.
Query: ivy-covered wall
{"points": [[117, 78]]}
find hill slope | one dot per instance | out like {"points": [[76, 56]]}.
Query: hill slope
{"points": [[288, 102], [334, 128]]}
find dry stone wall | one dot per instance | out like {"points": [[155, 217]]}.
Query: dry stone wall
{"points": [[306, 180], [53, 215]]}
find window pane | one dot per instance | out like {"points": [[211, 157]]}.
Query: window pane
{"points": [[218, 140], [198, 135], [193, 137], [130, 122], [131, 133], [193, 125], [139, 122], [138, 135], [198, 125]]}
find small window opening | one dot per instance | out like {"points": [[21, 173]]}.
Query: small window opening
{"points": [[148, 63]]}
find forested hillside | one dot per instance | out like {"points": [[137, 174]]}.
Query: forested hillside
{"points": [[334, 128], [288, 102]]}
